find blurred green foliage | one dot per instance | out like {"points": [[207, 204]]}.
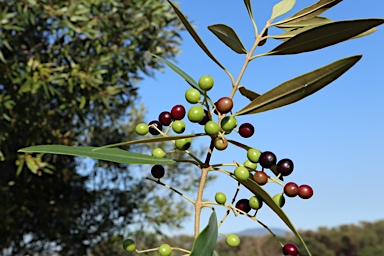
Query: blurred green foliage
{"points": [[69, 72]]}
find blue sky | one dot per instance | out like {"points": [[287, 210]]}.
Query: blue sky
{"points": [[334, 137]]}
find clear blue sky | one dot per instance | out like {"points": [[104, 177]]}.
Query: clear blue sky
{"points": [[335, 136]]}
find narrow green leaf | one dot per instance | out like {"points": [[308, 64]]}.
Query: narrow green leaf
{"points": [[310, 22], [215, 253], [282, 8], [325, 35], [184, 75], [249, 8], [252, 186], [108, 154], [150, 140], [248, 5], [193, 33], [251, 95], [229, 37], [205, 242], [310, 12], [299, 87]]}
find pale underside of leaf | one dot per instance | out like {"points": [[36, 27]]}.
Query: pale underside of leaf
{"points": [[282, 8], [194, 35], [107, 154], [325, 35], [205, 242], [299, 87], [229, 37], [256, 189], [310, 12]]}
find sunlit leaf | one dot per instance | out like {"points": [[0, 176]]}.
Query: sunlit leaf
{"points": [[107, 154], [228, 36], [282, 8], [310, 12], [251, 95], [205, 242], [256, 189], [184, 75], [325, 35], [193, 33], [299, 87]]}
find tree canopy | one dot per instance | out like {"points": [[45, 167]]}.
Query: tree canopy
{"points": [[69, 72]]}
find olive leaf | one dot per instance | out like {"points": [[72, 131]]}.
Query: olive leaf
{"points": [[310, 12], [151, 140], [194, 35], [184, 75], [256, 189], [325, 35], [107, 154], [250, 13], [229, 37], [205, 242], [282, 8], [303, 23], [299, 87], [251, 95]]}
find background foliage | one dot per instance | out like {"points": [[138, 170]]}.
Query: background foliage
{"points": [[68, 75]]}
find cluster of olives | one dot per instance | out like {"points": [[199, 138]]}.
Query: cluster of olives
{"points": [[197, 114], [200, 113]]}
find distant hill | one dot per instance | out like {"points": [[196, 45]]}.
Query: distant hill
{"points": [[262, 232]]}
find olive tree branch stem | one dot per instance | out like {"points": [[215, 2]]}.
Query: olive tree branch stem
{"points": [[203, 179]]}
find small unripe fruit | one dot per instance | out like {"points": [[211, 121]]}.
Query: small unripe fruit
{"points": [[220, 198], [241, 173], [232, 240], [285, 167], [212, 128], [243, 204], [178, 112], [305, 192], [183, 144], [224, 105], [255, 202], [206, 83], [141, 129], [221, 143], [279, 199], [246, 130], [253, 155], [250, 165], [195, 114], [290, 250], [158, 152], [291, 189], [157, 171], [152, 130], [228, 123], [165, 118], [129, 245], [260, 177], [178, 126], [192, 95], [164, 250], [267, 159]]}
